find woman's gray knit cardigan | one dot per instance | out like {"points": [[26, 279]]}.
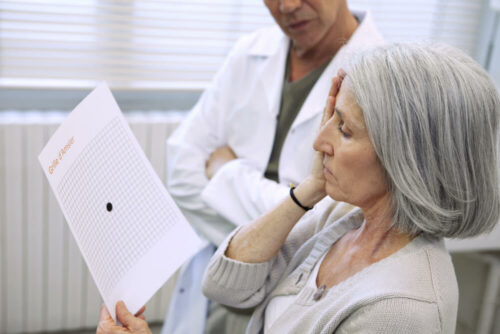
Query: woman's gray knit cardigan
{"points": [[412, 291]]}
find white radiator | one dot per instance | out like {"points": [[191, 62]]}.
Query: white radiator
{"points": [[44, 282]]}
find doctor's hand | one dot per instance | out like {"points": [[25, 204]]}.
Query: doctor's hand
{"points": [[131, 324], [217, 159]]}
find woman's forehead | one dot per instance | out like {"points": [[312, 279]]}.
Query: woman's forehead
{"points": [[346, 105]]}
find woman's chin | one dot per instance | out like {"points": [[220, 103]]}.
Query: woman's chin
{"points": [[334, 193]]}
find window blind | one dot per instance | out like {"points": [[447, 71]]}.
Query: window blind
{"points": [[455, 22], [175, 44], [130, 44]]}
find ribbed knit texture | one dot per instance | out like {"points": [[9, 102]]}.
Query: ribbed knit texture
{"points": [[412, 291]]}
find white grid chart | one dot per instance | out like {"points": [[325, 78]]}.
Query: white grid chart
{"points": [[95, 179]]}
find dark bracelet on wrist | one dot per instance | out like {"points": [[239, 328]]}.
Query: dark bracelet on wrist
{"points": [[297, 201]]}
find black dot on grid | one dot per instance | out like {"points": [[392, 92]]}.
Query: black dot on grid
{"points": [[109, 207]]}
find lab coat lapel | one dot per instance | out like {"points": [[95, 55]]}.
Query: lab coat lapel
{"points": [[272, 72]]}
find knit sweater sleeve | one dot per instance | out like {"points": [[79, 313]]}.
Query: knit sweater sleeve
{"points": [[394, 315], [245, 285]]}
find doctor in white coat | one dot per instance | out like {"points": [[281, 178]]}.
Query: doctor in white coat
{"points": [[218, 157]]}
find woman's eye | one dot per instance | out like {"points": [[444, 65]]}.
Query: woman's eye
{"points": [[342, 130]]}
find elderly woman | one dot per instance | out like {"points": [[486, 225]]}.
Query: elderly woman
{"points": [[408, 153]]}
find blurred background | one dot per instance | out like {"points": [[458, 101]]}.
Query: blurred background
{"points": [[158, 56]]}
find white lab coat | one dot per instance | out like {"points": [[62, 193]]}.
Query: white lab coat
{"points": [[240, 109]]}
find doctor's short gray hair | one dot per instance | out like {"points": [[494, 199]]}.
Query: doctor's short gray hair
{"points": [[432, 115]]}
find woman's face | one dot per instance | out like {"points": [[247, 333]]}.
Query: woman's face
{"points": [[352, 170], [305, 22]]}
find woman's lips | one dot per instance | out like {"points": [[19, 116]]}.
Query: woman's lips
{"points": [[326, 171]]}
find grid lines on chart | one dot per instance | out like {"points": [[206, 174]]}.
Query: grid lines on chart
{"points": [[111, 170]]}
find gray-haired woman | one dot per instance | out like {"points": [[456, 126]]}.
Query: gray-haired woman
{"points": [[410, 139], [408, 153]]}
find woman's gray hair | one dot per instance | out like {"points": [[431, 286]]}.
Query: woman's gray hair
{"points": [[432, 115]]}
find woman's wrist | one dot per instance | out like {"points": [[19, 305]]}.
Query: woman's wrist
{"points": [[310, 191]]}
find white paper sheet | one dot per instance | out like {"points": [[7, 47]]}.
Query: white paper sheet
{"points": [[130, 232]]}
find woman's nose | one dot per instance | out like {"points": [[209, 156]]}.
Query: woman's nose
{"points": [[323, 142], [288, 6]]}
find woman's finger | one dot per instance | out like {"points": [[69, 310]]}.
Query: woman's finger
{"points": [[341, 73], [332, 94], [334, 86], [328, 111]]}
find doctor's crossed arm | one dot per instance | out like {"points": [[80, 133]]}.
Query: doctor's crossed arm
{"points": [[217, 159]]}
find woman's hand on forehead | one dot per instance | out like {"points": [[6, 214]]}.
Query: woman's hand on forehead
{"points": [[332, 94]]}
